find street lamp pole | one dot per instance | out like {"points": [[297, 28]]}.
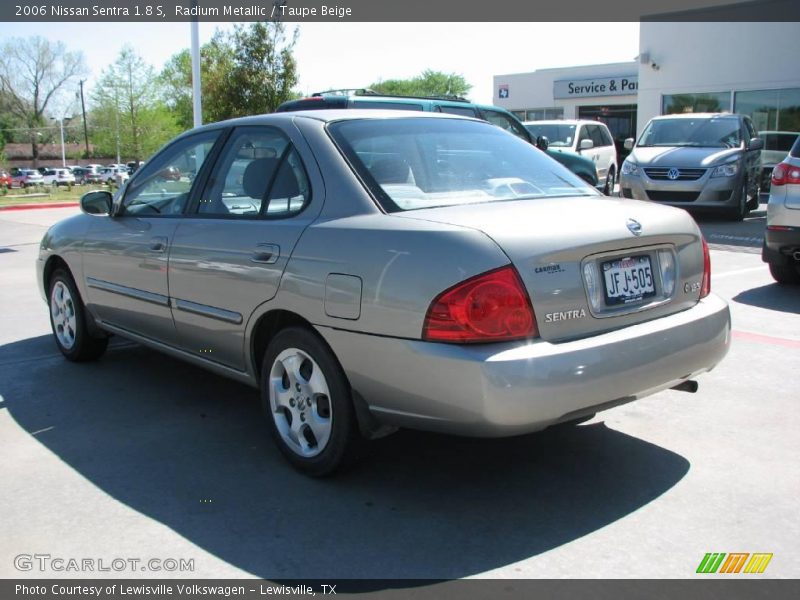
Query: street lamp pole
{"points": [[61, 129]]}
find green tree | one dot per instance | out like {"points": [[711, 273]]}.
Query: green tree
{"points": [[129, 117], [33, 74], [428, 83], [250, 70]]}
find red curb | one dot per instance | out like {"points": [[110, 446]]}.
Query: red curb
{"points": [[40, 205], [766, 339]]}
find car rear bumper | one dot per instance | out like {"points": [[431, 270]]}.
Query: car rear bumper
{"points": [[507, 389]]}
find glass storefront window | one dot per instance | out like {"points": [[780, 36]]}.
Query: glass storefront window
{"points": [[544, 114], [771, 110], [693, 103]]}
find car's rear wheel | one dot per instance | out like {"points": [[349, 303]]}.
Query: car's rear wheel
{"points": [[68, 321], [785, 274], [611, 181], [308, 403]]}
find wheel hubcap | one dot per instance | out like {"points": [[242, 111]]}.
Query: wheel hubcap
{"points": [[62, 313], [300, 402]]}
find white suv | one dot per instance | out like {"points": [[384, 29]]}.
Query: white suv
{"points": [[591, 139], [782, 239]]}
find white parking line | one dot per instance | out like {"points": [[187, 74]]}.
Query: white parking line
{"points": [[738, 272]]}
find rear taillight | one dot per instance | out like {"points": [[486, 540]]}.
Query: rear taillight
{"points": [[784, 173], [705, 287], [490, 307]]}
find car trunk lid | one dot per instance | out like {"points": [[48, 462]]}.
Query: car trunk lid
{"points": [[565, 248]]}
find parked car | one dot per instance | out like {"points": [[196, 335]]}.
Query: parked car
{"points": [[364, 98], [591, 139], [370, 271], [84, 175], [776, 147], [113, 175], [58, 177], [133, 165], [22, 178], [5, 180], [697, 161], [782, 238]]}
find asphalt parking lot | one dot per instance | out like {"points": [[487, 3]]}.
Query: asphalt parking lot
{"points": [[140, 456]]}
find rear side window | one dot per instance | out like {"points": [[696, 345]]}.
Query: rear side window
{"points": [[386, 105], [464, 111], [258, 173], [795, 153]]}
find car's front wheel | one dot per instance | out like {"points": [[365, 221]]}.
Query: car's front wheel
{"points": [[608, 190], [68, 321], [308, 403], [739, 212]]}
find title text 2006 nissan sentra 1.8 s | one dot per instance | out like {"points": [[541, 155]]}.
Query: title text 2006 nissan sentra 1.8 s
{"points": [[369, 270]]}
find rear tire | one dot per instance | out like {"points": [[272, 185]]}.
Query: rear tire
{"points": [[785, 274], [68, 321], [308, 403]]}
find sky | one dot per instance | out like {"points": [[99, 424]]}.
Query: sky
{"points": [[353, 55]]}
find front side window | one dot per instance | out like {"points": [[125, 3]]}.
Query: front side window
{"points": [[506, 122], [162, 186], [715, 132], [412, 163], [258, 172]]}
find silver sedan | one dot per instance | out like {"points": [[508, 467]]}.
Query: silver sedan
{"points": [[371, 270]]}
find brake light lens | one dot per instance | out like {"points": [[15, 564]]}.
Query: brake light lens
{"points": [[705, 287], [491, 307], [784, 174]]}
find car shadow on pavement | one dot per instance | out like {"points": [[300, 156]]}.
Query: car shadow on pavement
{"points": [[747, 235], [191, 451], [783, 298]]}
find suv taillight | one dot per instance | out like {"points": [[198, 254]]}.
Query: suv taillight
{"points": [[784, 173], [705, 287], [491, 307]]}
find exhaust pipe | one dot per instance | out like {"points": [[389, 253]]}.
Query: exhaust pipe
{"points": [[689, 385]]}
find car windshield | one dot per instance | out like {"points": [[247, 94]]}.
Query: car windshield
{"points": [[707, 132], [557, 135], [413, 163]]}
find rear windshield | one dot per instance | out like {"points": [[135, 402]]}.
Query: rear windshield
{"points": [[421, 163], [714, 132]]}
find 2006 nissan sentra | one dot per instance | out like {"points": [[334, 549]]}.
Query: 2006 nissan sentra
{"points": [[370, 270]]}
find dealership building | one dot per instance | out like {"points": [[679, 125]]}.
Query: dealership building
{"points": [[748, 68]]}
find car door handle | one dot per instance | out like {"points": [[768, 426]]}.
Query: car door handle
{"points": [[158, 244], [266, 254]]}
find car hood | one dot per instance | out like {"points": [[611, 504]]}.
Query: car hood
{"points": [[682, 156]]}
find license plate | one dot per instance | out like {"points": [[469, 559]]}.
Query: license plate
{"points": [[628, 280]]}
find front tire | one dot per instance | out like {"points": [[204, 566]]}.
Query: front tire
{"points": [[308, 403], [739, 212], [608, 190], [68, 321], [785, 274]]}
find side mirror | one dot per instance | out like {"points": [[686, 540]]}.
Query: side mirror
{"points": [[96, 203], [756, 144], [628, 143], [542, 143], [586, 145]]}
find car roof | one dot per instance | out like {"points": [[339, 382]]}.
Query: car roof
{"points": [[563, 122], [699, 116]]}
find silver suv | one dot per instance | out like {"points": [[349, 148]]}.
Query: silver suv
{"points": [[699, 160], [782, 239]]}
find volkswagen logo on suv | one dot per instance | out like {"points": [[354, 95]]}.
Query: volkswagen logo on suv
{"points": [[673, 173]]}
